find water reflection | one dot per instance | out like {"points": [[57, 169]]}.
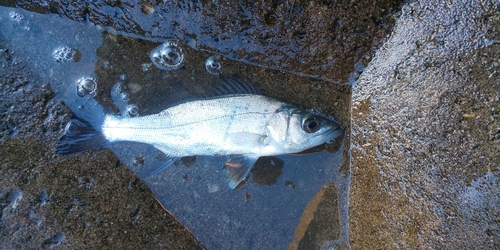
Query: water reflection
{"points": [[263, 213], [322, 39]]}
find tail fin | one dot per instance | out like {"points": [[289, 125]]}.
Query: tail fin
{"points": [[79, 136]]}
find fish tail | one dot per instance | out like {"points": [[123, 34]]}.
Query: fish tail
{"points": [[80, 135], [83, 131]]}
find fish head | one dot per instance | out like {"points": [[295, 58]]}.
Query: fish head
{"points": [[292, 129]]}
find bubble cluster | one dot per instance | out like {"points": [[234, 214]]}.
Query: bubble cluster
{"points": [[86, 86], [167, 56], [16, 17], [64, 53], [106, 65], [120, 98], [145, 66], [132, 110], [124, 97], [213, 65]]}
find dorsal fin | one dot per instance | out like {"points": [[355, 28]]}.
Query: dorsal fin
{"points": [[227, 85], [174, 93], [170, 96], [159, 97]]}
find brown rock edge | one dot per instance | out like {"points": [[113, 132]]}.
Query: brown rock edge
{"points": [[425, 125]]}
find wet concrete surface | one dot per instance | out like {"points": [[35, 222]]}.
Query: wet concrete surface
{"points": [[425, 162]]}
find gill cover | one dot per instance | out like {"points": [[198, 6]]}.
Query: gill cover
{"points": [[294, 129]]}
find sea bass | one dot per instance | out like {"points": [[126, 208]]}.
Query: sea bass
{"points": [[242, 126]]}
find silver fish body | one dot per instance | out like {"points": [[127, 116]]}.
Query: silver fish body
{"points": [[241, 126], [230, 125]]}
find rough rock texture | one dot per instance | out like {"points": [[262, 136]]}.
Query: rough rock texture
{"points": [[425, 129]]}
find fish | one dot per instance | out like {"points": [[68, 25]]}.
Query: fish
{"points": [[238, 123]]}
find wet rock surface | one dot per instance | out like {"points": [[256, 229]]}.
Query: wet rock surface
{"points": [[425, 163], [321, 39], [127, 60], [332, 98]]}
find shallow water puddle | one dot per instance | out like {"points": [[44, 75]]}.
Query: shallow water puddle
{"points": [[288, 201]]}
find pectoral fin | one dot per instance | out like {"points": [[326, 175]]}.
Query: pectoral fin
{"points": [[237, 168]]}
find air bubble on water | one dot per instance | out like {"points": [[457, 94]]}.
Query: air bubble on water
{"points": [[117, 88], [213, 65], [123, 77], [167, 56], [86, 86], [120, 98], [16, 17], [191, 43], [106, 65], [132, 110], [145, 66], [212, 188], [63, 53], [71, 129]]}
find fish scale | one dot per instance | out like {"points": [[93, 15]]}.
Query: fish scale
{"points": [[208, 124]]}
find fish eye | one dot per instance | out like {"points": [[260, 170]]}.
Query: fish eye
{"points": [[310, 124]]}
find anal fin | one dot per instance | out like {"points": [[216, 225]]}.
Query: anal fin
{"points": [[237, 168], [159, 167]]}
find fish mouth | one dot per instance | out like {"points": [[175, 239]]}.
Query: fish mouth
{"points": [[333, 134]]}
